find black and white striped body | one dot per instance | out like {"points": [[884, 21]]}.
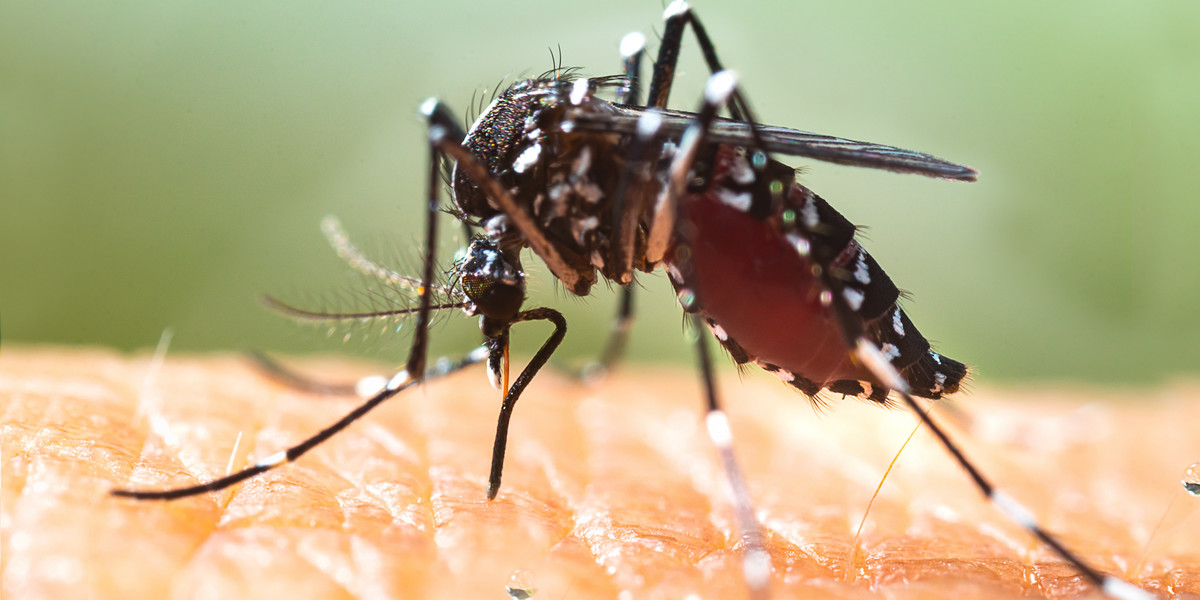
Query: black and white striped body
{"points": [[764, 284], [759, 274]]}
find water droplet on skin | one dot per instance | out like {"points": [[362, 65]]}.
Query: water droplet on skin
{"points": [[520, 585], [1191, 479]]}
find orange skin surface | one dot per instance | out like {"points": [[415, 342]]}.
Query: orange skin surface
{"points": [[607, 489]]}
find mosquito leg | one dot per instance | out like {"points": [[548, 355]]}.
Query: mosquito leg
{"points": [[756, 561], [397, 384], [420, 344], [413, 372], [678, 15], [721, 90], [620, 331], [874, 359], [446, 136], [363, 388], [518, 386], [717, 92], [633, 192], [633, 47], [275, 370], [626, 210], [618, 337]]}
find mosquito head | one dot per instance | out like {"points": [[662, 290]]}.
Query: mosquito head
{"points": [[492, 281]]}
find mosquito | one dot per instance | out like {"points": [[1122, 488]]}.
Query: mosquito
{"points": [[599, 188]]}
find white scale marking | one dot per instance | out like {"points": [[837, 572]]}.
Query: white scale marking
{"points": [[854, 298], [674, 274], [861, 273], [274, 459], [757, 568], [808, 212], [528, 158], [1015, 510], [783, 374], [897, 324], [890, 351], [728, 197], [496, 226], [718, 428], [939, 382], [591, 192], [557, 191], [494, 375], [649, 124], [719, 332], [398, 380], [582, 226], [720, 86], [579, 91], [800, 243], [632, 43], [430, 105], [582, 163], [741, 171], [936, 358], [874, 359], [677, 7], [370, 385], [1123, 590]]}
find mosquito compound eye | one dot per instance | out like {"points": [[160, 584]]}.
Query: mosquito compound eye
{"points": [[492, 281]]}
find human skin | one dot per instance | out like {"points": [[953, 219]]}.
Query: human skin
{"points": [[608, 488]]}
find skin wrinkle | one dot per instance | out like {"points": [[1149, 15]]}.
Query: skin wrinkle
{"points": [[362, 489]]}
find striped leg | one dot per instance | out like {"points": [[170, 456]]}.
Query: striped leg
{"points": [[626, 214], [871, 356], [415, 368], [756, 561], [677, 16], [398, 383]]}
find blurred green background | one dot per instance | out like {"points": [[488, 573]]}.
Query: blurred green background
{"points": [[163, 163]]}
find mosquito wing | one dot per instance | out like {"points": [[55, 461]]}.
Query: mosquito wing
{"points": [[781, 140]]}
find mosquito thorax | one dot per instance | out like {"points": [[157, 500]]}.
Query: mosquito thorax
{"points": [[565, 178], [497, 135], [493, 281]]}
